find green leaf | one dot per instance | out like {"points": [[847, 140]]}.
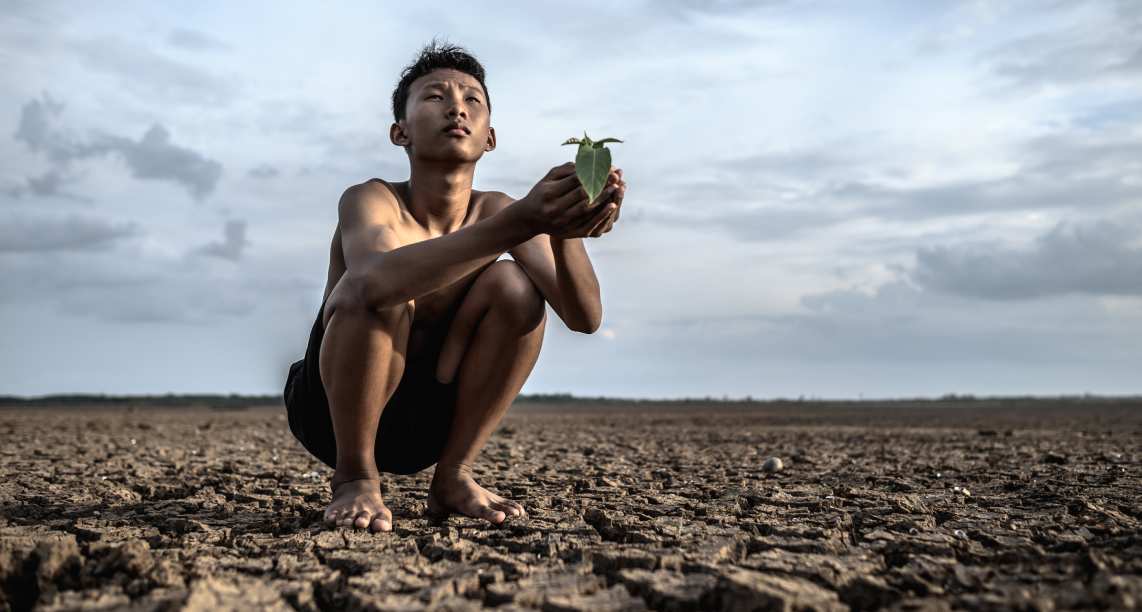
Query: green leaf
{"points": [[592, 165]]}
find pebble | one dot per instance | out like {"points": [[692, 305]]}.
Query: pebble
{"points": [[773, 464]]}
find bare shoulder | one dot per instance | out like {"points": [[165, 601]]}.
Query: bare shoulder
{"points": [[371, 200], [493, 202]]}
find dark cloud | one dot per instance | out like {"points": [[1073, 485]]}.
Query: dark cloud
{"points": [[1098, 258], [22, 234], [155, 157], [48, 185], [193, 40], [152, 157], [233, 242], [36, 129]]}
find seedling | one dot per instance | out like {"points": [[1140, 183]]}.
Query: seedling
{"points": [[592, 164]]}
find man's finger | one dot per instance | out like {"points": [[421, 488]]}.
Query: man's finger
{"points": [[582, 225], [567, 183], [562, 169], [567, 202], [599, 229], [600, 219]]}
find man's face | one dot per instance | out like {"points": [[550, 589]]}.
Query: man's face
{"points": [[438, 100]]}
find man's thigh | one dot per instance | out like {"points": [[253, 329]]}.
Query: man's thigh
{"points": [[414, 425]]}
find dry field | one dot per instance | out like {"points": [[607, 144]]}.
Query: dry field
{"points": [[980, 505]]}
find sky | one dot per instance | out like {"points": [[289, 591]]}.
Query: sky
{"points": [[825, 199]]}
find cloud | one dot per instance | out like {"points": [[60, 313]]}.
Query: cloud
{"points": [[22, 234], [48, 185], [1099, 258], [1084, 51], [688, 9], [165, 301], [264, 171], [194, 40], [152, 157], [232, 244], [154, 76], [37, 131], [779, 195], [138, 283], [950, 341]]}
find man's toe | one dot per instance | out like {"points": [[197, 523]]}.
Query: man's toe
{"points": [[507, 508], [381, 523], [493, 515]]}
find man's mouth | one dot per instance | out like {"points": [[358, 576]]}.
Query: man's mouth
{"points": [[457, 130]]}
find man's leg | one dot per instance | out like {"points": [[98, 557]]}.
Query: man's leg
{"points": [[362, 361], [492, 346]]}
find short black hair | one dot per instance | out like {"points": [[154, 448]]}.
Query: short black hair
{"points": [[433, 57]]}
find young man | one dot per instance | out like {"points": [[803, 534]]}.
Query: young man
{"points": [[423, 338]]}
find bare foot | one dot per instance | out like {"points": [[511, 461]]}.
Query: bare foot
{"points": [[358, 503], [454, 490]]}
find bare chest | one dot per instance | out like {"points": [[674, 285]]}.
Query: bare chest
{"points": [[434, 311]]}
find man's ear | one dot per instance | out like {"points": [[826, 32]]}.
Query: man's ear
{"points": [[398, 136], [491, 144]]}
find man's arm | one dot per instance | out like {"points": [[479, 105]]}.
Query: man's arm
{"points": [[390, 274], [562, 271]]}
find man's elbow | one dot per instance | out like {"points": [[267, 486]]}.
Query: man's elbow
{"points": [[589, 328]]}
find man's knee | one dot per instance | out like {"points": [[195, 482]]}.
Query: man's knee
{"points": [[348, 299], [514, 295]]}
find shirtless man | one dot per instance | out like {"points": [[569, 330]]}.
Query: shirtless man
{"points": [[423, 338]]}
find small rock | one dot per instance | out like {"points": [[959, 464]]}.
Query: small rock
{"points": [[773, 464]]}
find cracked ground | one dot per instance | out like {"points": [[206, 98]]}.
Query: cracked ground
{"points": [[1011, 504]]}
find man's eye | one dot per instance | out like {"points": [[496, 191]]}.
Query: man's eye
{"points": [[476, 99]]}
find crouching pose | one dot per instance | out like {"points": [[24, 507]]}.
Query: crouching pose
{"points": [[424, 337]]}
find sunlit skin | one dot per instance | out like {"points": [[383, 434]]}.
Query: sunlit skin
{"points": [[487, 327]]}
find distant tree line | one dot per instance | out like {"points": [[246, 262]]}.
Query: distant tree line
{"points": [[235, 401]]}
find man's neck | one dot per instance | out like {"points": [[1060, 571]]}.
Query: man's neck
{"points": [[439, 195]]}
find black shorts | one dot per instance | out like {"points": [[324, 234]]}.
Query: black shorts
{"points": [[414, 424]]}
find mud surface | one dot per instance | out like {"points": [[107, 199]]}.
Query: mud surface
{"points": [[982, 506]]}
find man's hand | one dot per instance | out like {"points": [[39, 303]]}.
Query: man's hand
{"points": [[613, 194], [557, 204]]}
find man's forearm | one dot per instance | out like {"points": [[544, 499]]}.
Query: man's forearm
{"points": [[581, 306], [408, 272]]}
